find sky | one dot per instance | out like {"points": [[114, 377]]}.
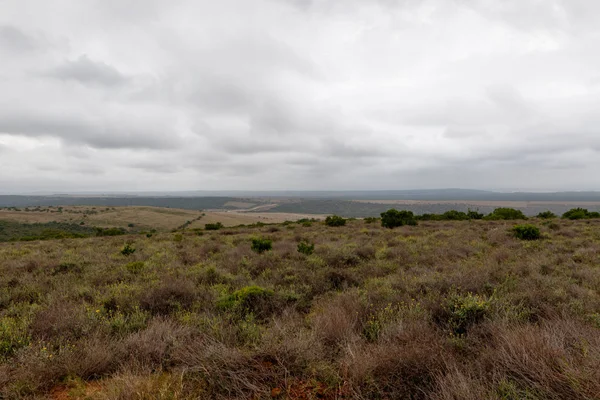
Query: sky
{"points": [[149, 95]]}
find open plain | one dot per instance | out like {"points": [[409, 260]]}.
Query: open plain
{"points": [[441, 310]]}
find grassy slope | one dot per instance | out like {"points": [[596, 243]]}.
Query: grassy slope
{"points": [[443, 310]]}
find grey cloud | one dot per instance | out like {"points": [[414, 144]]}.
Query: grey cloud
{"points": [[302, 93], [95, 132], [86, 71], [155, 167], [16, 40]]}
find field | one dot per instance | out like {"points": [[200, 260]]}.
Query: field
{"points": [[143, 218], [442, 310]]}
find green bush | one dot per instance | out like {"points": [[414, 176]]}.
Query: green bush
{"points": [[248, 300], [370, 220], [474, 214], [127, 250], [213, 227], [546, 215], [526, 232], [306, 248], [260, 245], [393, 218], [454, 215], [465, 310], [580, 213], [505, 213], [335, 220]]}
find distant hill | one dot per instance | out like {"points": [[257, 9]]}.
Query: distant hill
{"points": [[325, 202]]}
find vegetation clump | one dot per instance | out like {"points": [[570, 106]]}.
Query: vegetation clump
{"points": [[505, 213], [248, 300], [213, 227], [464, 311], [546, 215], [127, 249], [393, 218], [260, 245], [526, 232], [335, 220], [306, 248], [580, 213]]}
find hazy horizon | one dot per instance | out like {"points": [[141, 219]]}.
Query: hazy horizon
{"points": [[138, 96]]}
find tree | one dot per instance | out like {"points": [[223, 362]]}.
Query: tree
{"points": [[393, 218]]}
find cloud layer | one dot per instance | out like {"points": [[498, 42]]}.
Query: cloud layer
{"points": [[299, 94]]}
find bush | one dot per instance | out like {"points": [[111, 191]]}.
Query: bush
{"points": [[370, 220], [260, 245], [454, 215], [306, 248], [110, 231], [546, 215], [172, 295], [393, 218], [505, 213], [464, 311], [127, 250], [526, 232], [335, 220], [135, 267], [248, 300], [580, 213], [213, 227], [474, 214]]}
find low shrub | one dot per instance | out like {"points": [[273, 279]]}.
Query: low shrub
{"points": [[213, 227], [110, 231], [170, 296], [335, 220], [260, 245], [460, 312], [135, 266], [526, 232], [127, 250], [306, 248], [248, 300]]}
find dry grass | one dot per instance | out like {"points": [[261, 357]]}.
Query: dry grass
{"points": [[147, 218], [443, 310]]}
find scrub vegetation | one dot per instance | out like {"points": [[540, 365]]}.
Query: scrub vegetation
{"points": [[442, 308]]}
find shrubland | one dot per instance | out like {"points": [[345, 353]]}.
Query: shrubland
{"points": [[446, 309]]}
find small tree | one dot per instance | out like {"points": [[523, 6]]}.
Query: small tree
{"points": [[335, 220], [505, 213], [393, 218], [474, 214]]}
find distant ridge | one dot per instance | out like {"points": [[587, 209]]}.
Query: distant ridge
{"points": [[217, 199]]}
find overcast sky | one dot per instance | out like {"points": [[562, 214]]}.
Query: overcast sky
{"points": [[299, 94]]}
